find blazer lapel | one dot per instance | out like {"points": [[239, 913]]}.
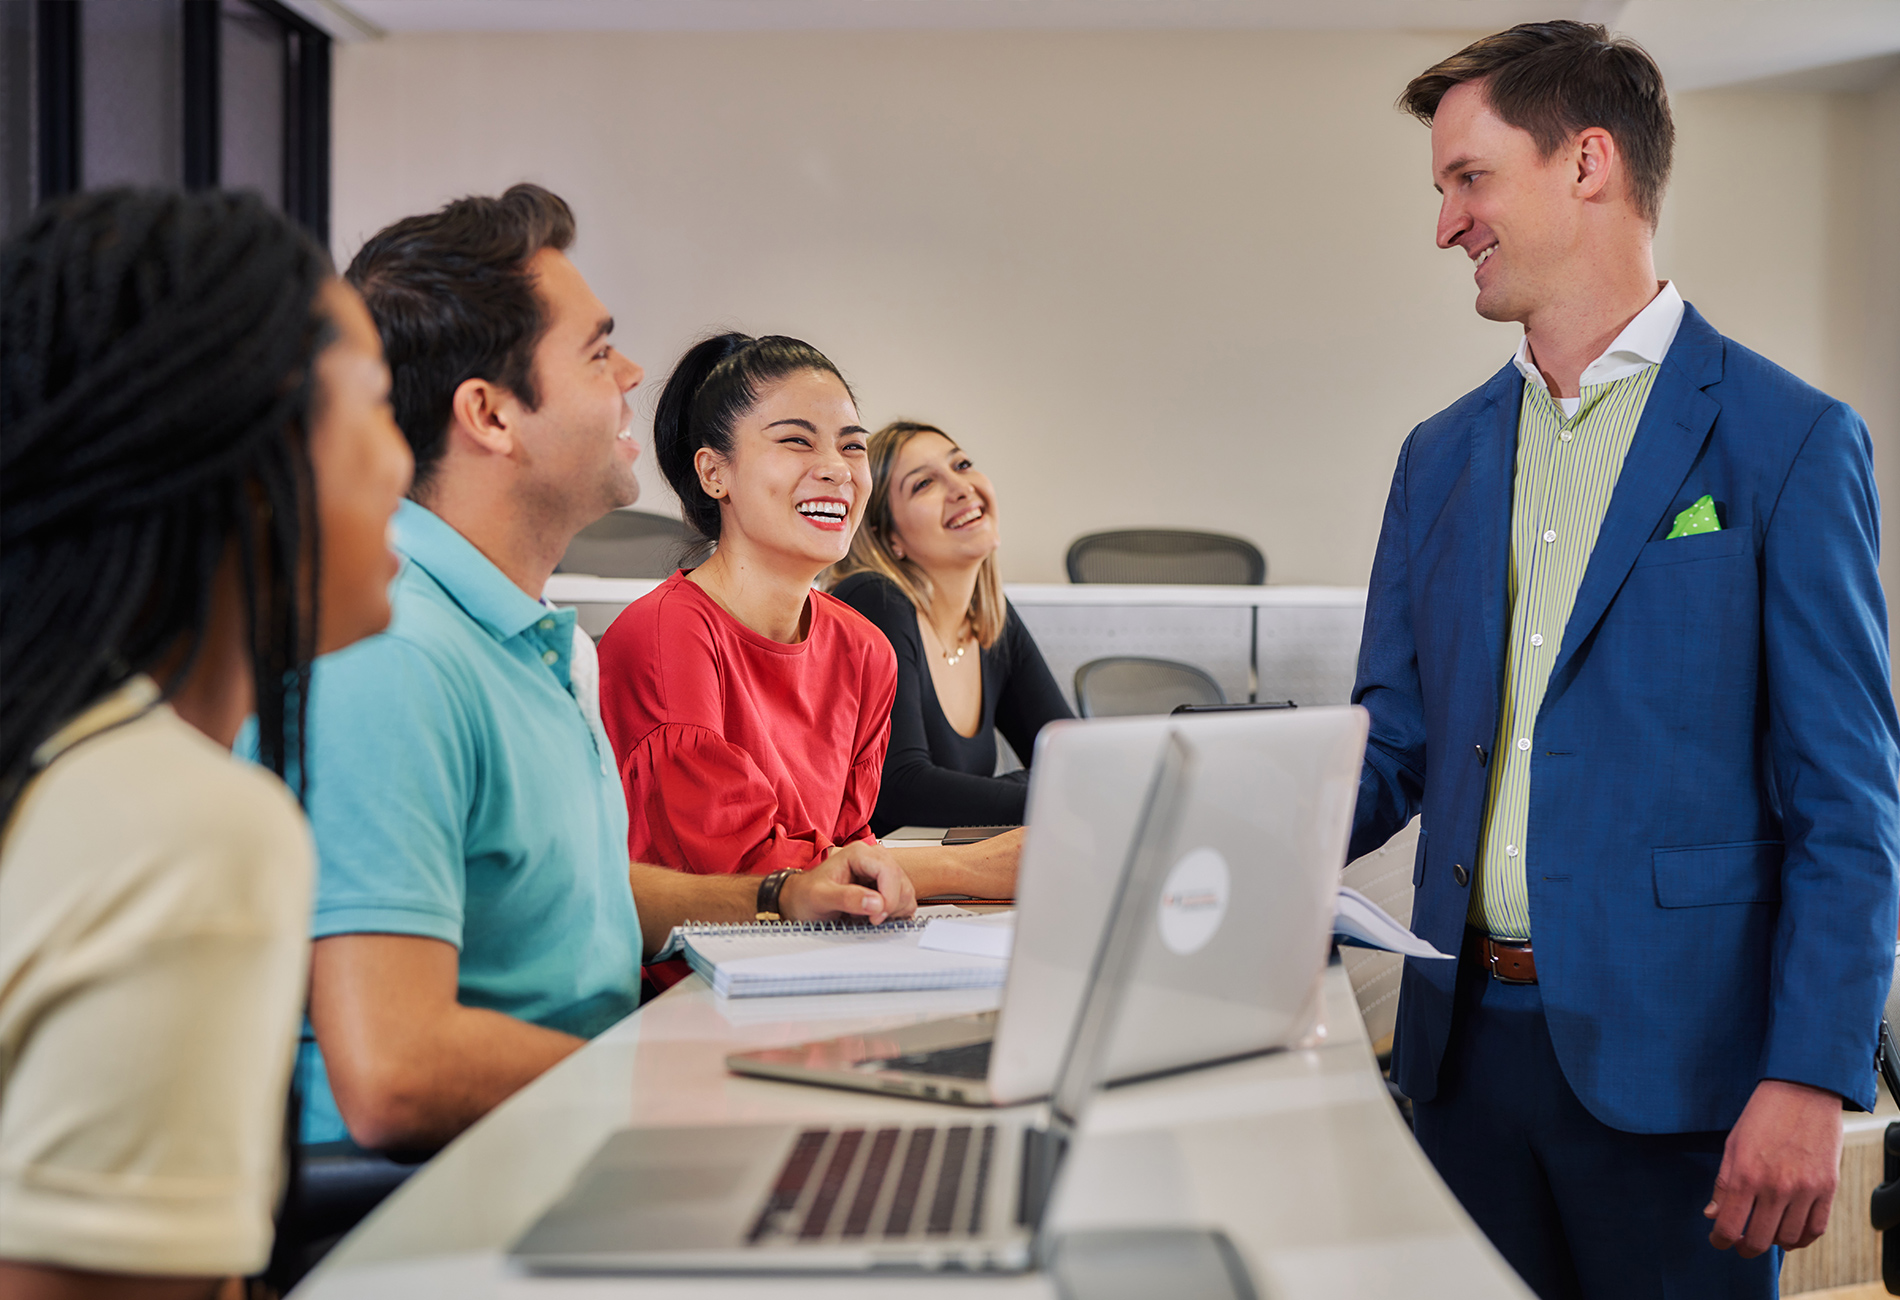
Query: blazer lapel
{"points": [[1676, 422], [1493, 468]]}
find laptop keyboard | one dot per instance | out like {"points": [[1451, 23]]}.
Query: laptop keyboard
{"points": [[968, 1061], [856, 1184]]}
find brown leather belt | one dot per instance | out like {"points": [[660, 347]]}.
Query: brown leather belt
{"points": [[1509, 961]]}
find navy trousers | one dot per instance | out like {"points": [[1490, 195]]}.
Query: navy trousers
{"points": [[1581, 1210]]}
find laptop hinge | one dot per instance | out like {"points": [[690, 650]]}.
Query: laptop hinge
{"points": [[1043, 1150]]}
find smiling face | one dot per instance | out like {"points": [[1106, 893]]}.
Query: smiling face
{"points": [[793, 487], [943, 509], [577, 447], [361, 464], [1515, 213]]}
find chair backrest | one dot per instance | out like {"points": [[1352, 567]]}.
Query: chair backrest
{"points": [[629, 544], [1126, 685], [1170, 555]]}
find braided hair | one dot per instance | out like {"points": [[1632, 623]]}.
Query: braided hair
{"points": [[156, 350]]}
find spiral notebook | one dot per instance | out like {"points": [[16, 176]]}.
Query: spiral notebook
{"points": [[781, 958]]}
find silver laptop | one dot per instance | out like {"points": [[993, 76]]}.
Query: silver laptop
{"points": [[1228, 966], [967, 1195]]}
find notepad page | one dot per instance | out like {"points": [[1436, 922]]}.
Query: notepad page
{"points": [[869, 960], [981, 936]]}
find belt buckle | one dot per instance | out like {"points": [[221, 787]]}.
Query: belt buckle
{"points": [[1492, 947]]}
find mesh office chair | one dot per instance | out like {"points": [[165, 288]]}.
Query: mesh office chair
{"points": [[333, 1188], [630, 544], [1126, 685], [1166, 555]]}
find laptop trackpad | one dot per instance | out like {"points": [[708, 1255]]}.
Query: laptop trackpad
{"points": [[649, 1187], [675, 1188]]}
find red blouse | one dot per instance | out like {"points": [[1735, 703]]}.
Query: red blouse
{"points": [[739, 753]]}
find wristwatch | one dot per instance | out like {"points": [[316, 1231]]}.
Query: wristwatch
{"points": [[769, 888]]}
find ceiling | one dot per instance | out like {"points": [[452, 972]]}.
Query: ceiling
{"points": [[1699, 43]]}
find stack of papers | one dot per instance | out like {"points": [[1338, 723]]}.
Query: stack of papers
{"points": [[1359, 921], [939, 948], [781, 959]]}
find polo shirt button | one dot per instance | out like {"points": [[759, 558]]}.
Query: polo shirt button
{"points": [[1510, 850], [547, 625], [1524, 743], [1550, 535], [1537, 638], [1565, 435], [1459, 874], [549, 657]]}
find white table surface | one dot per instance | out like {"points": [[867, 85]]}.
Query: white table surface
{"points": [[1298, 1155]]}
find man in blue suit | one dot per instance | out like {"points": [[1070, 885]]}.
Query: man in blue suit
{"points": [[1626, 652]]}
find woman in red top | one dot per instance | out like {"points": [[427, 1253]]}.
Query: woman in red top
{"points": [[749, 713]]}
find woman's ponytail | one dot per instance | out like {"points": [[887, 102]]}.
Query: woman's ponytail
{"points": [[710, 390], [673, 443]]}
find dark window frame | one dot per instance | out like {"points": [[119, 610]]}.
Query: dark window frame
{"points": [[307, 64], [56, 41]]}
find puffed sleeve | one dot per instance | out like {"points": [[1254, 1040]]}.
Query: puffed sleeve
{"points": [[877, 691], [696, 800], [698, 803]]}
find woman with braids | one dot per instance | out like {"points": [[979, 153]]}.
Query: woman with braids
{"points": [[749, 713], [923, 568], [197, 470]]}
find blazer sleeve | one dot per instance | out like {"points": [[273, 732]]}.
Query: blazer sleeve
{"points": [[1392, 781], [1835, 750], [1030, 699]]}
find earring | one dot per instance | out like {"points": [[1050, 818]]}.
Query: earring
{"points": [[715, 491], [898, 551]]}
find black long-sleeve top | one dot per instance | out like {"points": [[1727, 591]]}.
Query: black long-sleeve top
{"points": [[932, 775]]}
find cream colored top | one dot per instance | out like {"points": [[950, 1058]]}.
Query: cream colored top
{"points": [[154, 914]]}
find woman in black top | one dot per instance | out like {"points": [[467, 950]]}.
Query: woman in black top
{"points": [[923, 568]]}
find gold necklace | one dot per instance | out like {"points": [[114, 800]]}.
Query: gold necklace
{"points": [[951, 660]]}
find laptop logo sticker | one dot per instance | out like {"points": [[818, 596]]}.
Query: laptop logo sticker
{"points": [[1194, 901]]}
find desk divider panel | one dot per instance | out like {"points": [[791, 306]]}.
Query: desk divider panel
{"points": [[1268, 643]]}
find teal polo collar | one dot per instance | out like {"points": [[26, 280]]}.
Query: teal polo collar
{"points": [[470, 578]]}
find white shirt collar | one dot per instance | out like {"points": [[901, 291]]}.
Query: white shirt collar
{"points": [[1644, 342]]}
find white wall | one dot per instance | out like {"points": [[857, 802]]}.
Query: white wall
{"points": [[1872, 263], [1781, 226], [1145, 277]]}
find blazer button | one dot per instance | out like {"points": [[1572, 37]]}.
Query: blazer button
{"points": [[1459, 874]]}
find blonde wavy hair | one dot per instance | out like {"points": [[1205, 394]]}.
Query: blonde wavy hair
{"points": [[871, 548]]}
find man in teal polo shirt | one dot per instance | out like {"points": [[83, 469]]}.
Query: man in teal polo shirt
{"points": [[477, 918]]}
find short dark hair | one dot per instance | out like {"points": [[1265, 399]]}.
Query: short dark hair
{"points": [[713, 386], [1555, 79], [454, 300]]}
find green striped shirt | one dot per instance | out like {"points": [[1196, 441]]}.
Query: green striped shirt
{"points": [[1566, 470]]}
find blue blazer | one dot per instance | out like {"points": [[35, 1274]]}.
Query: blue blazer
{"points": [[1714, 815]]}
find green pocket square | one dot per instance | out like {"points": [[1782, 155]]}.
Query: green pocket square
{"points": [[1698, 518]]}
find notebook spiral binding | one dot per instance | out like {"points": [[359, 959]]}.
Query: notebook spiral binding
{"points": [[735, 928]]}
